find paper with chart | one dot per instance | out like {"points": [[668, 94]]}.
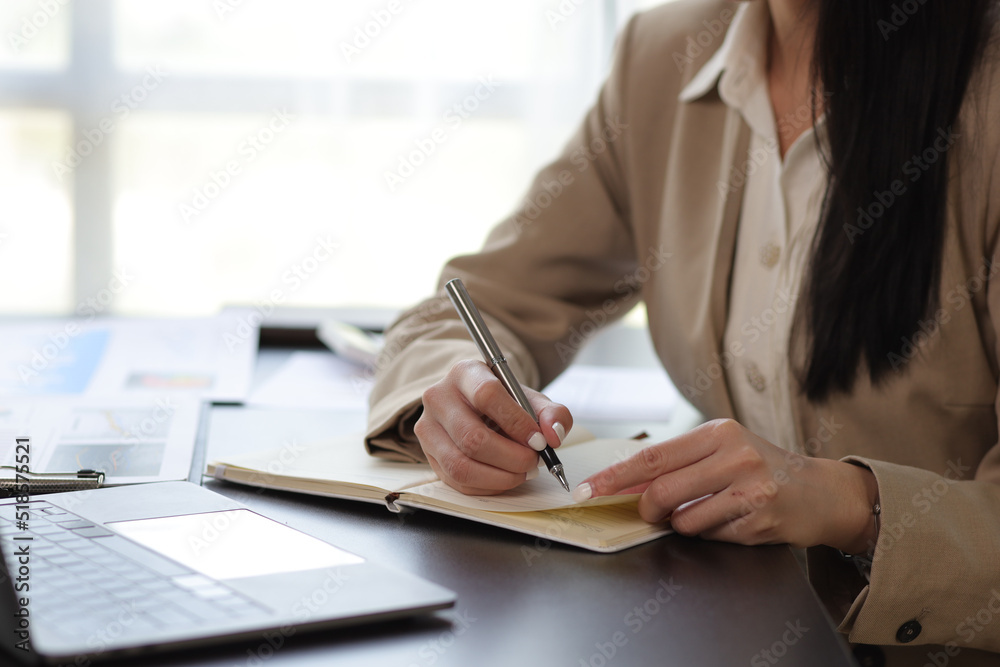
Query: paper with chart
{"points": [[209, 357], [131, 440], [121, 395]]}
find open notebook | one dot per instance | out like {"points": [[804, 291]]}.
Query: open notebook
{"points": [[340, 468]]}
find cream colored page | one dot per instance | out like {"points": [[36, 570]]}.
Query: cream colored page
{"points": [[597, 525], [601, 528], [342, 459], [605, 522], [544, 492]]}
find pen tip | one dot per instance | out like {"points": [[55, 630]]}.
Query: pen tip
{"points": [[557, 472]]}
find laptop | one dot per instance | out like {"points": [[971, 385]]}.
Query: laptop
{"points": [[134, 569]]}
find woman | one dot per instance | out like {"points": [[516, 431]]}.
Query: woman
{"points": [[806, 195]]}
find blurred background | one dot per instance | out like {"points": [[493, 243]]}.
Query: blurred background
{"points": [[169, 158]]}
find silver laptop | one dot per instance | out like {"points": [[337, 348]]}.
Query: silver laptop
{"points": [[134, 569]]}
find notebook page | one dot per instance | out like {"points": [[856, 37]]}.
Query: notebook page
{"points": [[342, 460], [544, 492], [603, 528]]}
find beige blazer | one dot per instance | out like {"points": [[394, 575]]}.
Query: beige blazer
{"points": [[644, 204]]}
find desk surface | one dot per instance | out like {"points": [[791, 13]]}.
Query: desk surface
{"points": [[522, 601], [676, 601]]}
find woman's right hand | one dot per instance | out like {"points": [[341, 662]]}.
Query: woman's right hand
{"points": [[477, 438]]}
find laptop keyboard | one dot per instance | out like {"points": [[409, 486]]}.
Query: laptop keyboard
{"points": [[87, 581]]}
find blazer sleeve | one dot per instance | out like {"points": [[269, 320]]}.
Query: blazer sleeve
{"points": [[935, 577], [546, 279]]}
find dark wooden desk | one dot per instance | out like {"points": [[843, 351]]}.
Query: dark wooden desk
{"points": [[676, 601], [522, 602]]}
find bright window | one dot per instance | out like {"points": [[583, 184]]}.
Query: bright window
{"points": [[212, 152]]}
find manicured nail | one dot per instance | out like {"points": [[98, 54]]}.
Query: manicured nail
{"points": [[582, 492], [560, 431], [531, 474], [537, 442]]}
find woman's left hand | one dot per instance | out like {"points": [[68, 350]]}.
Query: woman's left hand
{"points": [[756, 492]]}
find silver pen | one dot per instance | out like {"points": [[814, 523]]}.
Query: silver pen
{"points": [[498, 364]]}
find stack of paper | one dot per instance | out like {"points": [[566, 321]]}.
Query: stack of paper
{"points": [[118, 395]]}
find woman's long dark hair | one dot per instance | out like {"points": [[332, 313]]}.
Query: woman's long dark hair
{"points": [[893, 74]]}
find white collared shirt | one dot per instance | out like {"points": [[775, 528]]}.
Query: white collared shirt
{"points": [[780, 211]]}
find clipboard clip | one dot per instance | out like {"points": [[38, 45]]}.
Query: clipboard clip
{"points": [[50, 482]]}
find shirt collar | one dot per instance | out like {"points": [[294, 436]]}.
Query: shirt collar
{"points": [[743, 52]]}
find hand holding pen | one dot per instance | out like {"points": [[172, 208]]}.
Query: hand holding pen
{"points": [[465, 451]]}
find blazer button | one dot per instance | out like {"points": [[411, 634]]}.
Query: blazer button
{"points": [[769, 255], [908, 632], [755, 378], [869, 656]]}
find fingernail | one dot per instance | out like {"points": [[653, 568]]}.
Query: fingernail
{"points": [[582, 492], [531, 474], [560, 431], [537, 442]]}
